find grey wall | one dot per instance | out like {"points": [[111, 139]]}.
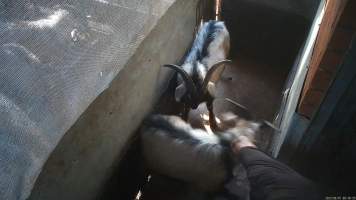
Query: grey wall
{"points": [[56, 57], [86, 156]]}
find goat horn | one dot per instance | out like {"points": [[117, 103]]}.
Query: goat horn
{"points": [[211, 73], [188, 82]]}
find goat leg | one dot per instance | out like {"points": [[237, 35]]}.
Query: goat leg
{"points": [[185, 112], [212, 120]]}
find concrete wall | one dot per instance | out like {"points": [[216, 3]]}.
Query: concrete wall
{"points": [[86, 156], [57, 57]]}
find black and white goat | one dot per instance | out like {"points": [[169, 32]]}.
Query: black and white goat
{"points": [[202, 67], [171, 147]]}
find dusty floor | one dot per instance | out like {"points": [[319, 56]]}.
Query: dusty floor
{"points": [[264, 42], [255, 85]]}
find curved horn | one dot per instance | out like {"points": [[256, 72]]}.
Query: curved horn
{"points": [[188, 82], [211, 73]]}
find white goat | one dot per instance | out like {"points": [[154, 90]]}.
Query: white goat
{"points": [[203, 67], [173, 148]]}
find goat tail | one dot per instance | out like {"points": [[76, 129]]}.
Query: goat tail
{"points": [[192, 90], [211, 74]]}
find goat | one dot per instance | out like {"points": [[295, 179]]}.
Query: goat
{"points": [[171, 147], [198, 118], [202, 67]]}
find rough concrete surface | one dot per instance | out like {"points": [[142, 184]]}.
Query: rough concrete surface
{"points": [[56, 58], [86, 156]]}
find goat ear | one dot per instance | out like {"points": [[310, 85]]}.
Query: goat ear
{"points": [[189, 84], [180, 91]]}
